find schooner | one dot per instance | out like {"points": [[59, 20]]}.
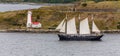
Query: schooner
{"points": [[69, 32]]}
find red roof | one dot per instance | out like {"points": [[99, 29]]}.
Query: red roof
{"points": [[35, 23]]}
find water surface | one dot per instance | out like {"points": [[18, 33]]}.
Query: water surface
{"points": [[36, 44], [12, 7]]}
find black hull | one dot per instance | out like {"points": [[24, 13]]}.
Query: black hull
{"points": [[79, 37]]}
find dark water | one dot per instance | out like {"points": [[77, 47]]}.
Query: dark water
{"points": [[35, 44]]}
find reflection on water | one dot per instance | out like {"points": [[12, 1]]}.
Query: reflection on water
{"points": [[36, 44]]}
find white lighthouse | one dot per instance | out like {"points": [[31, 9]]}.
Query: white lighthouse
{"points": [[31, 24], [29, 19]]}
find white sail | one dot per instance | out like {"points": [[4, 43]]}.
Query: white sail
{"points": [[95, 28], [84, 27], [60, 25], [71, 26], [63, 28]]}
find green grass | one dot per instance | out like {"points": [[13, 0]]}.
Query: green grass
{"points": [[52, 16]]}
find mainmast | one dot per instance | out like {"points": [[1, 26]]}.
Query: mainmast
{"points": [[66, 24]]}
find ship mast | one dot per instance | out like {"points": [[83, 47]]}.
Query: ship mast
{"points": [[66, 24], [79, 24], [92, 23]]}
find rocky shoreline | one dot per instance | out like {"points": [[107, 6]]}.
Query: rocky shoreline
{"points": [[30, 31], [47, 31]]}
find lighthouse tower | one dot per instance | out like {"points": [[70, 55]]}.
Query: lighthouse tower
{"points": [[29, 19], [31, 24]]}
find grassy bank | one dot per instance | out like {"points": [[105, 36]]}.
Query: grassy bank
{"points": [[52, 16]]}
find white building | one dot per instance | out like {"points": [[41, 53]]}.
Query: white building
{"points": [[31, 24]]}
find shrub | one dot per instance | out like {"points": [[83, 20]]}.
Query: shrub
{"points": [[84, 4]]}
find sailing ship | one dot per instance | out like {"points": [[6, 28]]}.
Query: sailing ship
{"points": [[69, 32]]}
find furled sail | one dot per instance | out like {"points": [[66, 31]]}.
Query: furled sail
{"points": [[84, 27], [95, 28], [71, 26], [60, 25]]}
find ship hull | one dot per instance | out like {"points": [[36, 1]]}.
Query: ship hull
{"points": [[78, 37]]}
